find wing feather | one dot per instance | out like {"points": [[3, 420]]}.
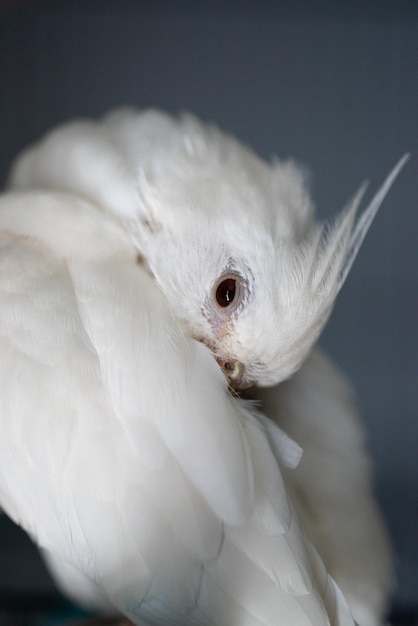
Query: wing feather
{"points": [[193, 418], [121, 450], [75, 411]]}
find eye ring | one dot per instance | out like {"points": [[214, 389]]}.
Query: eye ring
{"points": [[228, 292]]}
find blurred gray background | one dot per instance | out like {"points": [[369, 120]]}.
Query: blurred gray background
{"points": [[332, 84]]}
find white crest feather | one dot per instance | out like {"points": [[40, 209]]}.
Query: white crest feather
{"points": [[367, 217]]}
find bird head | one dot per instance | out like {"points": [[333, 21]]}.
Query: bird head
{"points": [[232, 243]]}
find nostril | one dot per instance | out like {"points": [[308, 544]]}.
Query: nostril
{"points": [[233, 369]]}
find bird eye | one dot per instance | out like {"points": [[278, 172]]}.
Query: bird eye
{"points": [[225, 292], [229, 292]]}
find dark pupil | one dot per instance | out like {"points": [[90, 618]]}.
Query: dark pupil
{"points": [[225, 292]]}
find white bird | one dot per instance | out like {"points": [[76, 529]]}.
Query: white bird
{"points": [[149, 487]]}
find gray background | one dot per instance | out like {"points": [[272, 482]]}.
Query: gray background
{"points": [[334, 85]]}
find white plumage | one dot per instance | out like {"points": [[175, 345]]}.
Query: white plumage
{"points": [[132, 251]]}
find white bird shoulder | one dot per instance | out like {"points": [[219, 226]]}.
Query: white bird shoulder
{"points": [[122, 453]]}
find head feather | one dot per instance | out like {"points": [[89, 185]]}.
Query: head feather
{"points": [[197, 202]]}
